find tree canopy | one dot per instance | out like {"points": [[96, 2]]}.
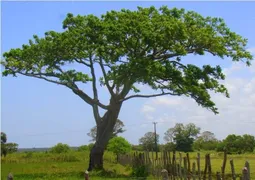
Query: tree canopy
{"points": [[3, 138], [143, 46], [119, 145], [182, 135], [148, 141]]}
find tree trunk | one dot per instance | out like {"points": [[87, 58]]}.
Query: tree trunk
{"points": [[104, 133]]}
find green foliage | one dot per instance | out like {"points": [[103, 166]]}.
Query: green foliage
{"points": [[169, 147], [3, 138], [206, 141], [60, 148], [54, 166], [140, 170], [119, 145], [239, 144], [220, 147], [137, 148], [118, 128], [148, 141], [182, 135], [83, 148], [7, 148], [11, 147], [143, 46]]}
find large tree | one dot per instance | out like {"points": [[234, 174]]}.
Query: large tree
{"points": [[206, 141], [145, 46], [118, 128], [148, 141], [182, 135]]}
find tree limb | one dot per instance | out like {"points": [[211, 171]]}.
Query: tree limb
{"points": [[94, 106], [110, 89], [148, 96], [82, 62], [72, 86]]}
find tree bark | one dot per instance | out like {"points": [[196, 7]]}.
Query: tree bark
{"points": [[104, 133]]}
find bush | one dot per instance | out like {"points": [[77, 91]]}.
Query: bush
{"points": [[60, 148], [139, 169], [169, 146], [119, 145], [83, 148]]}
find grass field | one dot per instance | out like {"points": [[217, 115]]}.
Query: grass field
{"points": [[70, 166]]}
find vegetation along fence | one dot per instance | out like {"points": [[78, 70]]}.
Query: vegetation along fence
{"points": [[170, 167]]}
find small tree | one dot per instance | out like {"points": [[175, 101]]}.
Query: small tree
{"points": [[119, 145], [11, 147], [3, 141], [3, 138], [7, 147], [60, 148]]}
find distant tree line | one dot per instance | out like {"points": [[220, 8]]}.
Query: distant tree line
{"points": [[187, 138]]}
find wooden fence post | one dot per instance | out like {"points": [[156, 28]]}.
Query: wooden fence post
{"points": [[10, 176], [206, 166], [209, 167], [247, 165], [245, 174], [188, 162], [198, 166], [185, 168], [164, 174], [232, 169], [218, 176], [224, 165], [180, 162], [194, 171]]}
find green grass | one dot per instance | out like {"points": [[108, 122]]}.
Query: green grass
{"points": [[72, 165]]}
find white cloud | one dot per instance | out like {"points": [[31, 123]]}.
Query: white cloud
{"points": [[147, 109], [236, 113], [166, 100]]}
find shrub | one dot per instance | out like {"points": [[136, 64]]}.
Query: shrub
{"points": [[119, 145], [83, 148], [60, 148]]}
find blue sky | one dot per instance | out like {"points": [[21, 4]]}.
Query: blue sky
{"points": [[36, 113]]}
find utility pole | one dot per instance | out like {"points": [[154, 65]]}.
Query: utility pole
{"points": [[155, 134]]}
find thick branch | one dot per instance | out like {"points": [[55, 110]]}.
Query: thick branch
{"points": [[82, 62], [126, 88], [39, 76], [148, 96], [70, 85], [105, 78], [95, 107], [88, 99]]}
